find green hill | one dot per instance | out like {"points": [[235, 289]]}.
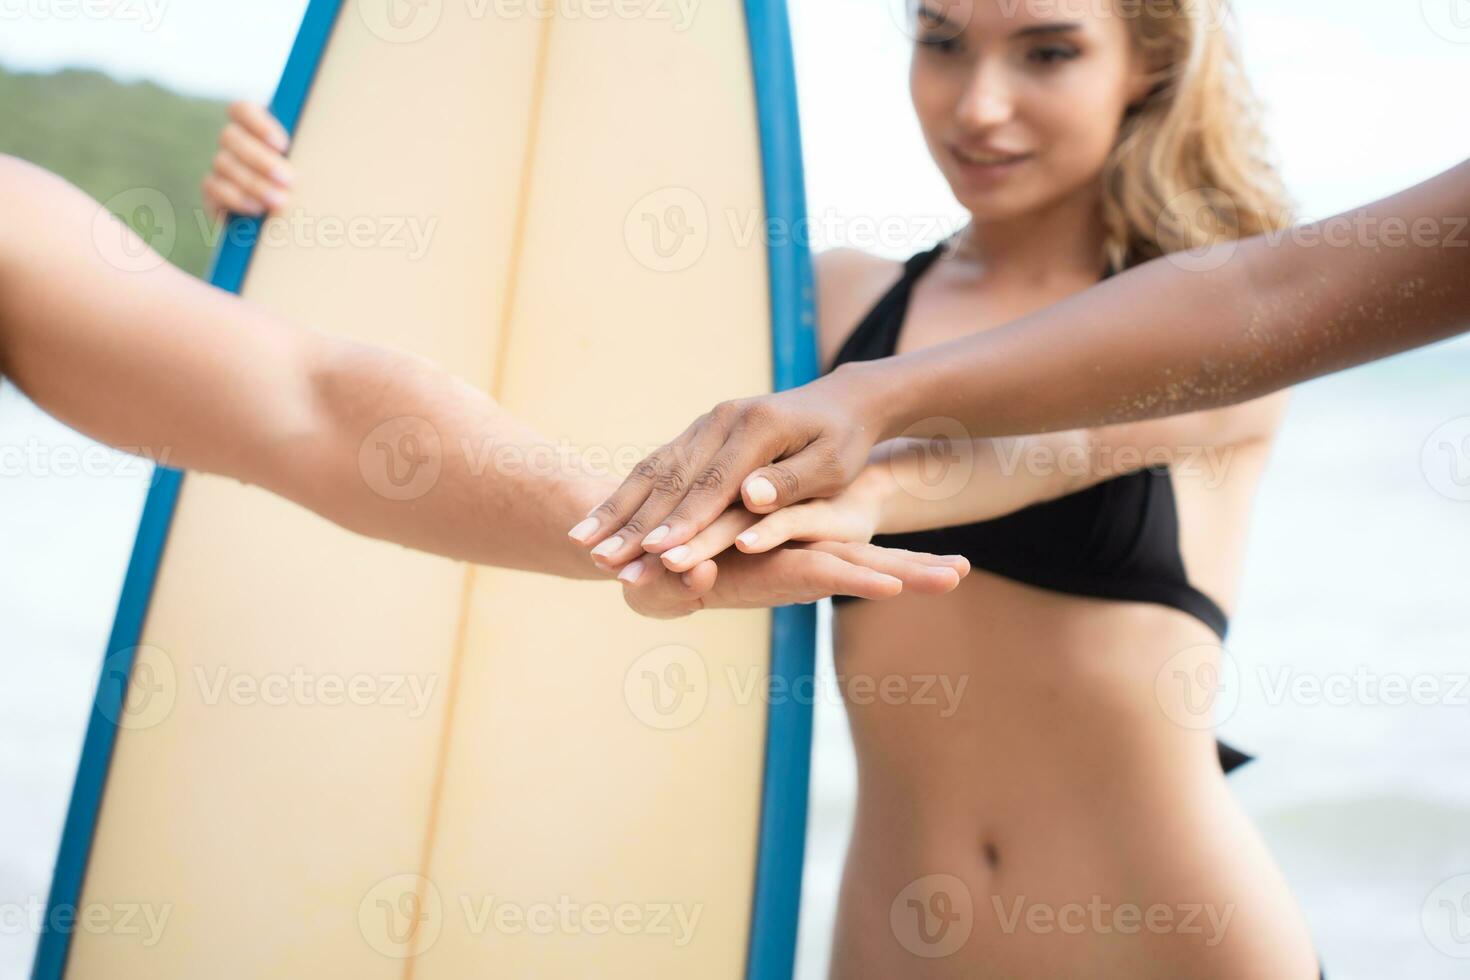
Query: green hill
{"points": [[108, 137]]}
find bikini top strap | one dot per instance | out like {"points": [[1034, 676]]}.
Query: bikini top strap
{"points": [[876, 335], [919, 263]]}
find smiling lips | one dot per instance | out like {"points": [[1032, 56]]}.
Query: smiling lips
{"points": [[988, 158]]}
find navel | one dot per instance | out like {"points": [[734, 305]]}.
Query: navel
{"points": [[991, 853]]}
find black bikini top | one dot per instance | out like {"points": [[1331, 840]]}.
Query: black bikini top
{"points": [[1118, 539], [1115, 540]]}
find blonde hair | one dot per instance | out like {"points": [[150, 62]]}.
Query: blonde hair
{"points": [[1190, 166]]}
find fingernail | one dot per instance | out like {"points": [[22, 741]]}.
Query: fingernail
{"points": [[584, 530], [688, 579], [748, 539], [274, 198], [677, 555], [282, 175], [631, 573], [656, 535], [761, 491], [608, 547]]}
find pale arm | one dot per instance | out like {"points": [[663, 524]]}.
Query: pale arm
{"points": [[155, 361], [161, 363]]}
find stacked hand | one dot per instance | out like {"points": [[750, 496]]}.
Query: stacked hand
{"points": [[820, 435], [797, 554], [790, 574]]}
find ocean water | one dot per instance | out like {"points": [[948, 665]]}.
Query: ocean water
{"points": [[1357, 575]]}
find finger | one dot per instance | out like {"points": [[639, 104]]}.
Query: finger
{"points": [[922, 573], [251, 184], [765, 534], [865, 551], [821, 574], [612, 514], [255, 154], [700, 579], [710, 542], [213, 203], [661, 594], [815, 471], [224, 196], [685, 479], [636, 571], [811, 521], [664, 482], [258, 122], [716, 486]]}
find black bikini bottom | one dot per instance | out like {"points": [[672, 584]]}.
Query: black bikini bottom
{"points": [[1231, 758]]}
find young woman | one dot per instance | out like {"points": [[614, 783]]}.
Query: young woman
{"points": [[1069, 818]]}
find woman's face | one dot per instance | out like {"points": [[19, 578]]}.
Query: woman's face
{"points": [[1020, 100]]}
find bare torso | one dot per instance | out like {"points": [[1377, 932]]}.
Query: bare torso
{"points": [[1032, 801]]}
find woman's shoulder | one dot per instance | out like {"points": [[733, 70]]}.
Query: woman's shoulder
{"points": [[849, 282]]}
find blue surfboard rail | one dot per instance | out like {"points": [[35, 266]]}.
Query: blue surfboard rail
{"points": [[231, 261], [787, 762], [777, 900]]}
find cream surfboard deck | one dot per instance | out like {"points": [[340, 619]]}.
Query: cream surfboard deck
{"points": [[317, 755]]}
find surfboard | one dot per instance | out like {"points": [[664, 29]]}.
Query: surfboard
{"points": [[318, 755]]}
